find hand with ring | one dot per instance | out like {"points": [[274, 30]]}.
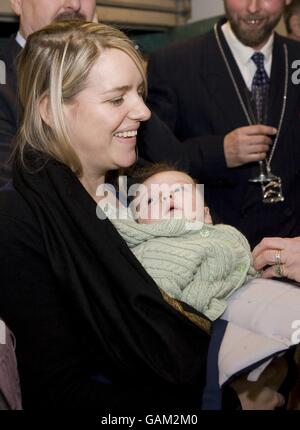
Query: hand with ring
{"points": [[278, 257]]}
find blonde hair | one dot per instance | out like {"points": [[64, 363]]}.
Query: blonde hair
{"points": [[55, 65]]}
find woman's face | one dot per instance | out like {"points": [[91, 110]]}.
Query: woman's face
{"points": [[103, 119]]}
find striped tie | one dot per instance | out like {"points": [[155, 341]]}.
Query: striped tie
{"points": [[260, 87]]}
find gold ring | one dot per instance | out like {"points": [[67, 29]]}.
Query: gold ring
{"points": [[277, 257], [279, 270]]}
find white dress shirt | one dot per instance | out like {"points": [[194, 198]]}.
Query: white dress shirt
{"points": [[20, 40], [242, 54]]}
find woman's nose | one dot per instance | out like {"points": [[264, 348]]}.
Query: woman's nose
{"points": [[140, 112]]}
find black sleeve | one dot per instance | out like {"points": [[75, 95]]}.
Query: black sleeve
{"points": [[203, 156], [8, 129]]}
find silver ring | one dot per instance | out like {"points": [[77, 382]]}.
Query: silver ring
{"points": [[277, 257], [279, 270]]}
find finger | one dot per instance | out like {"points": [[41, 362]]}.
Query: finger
{"points": [[252, 130], [268, 242], [258, 149], [258, 140], [269, 257], [271, 272], [266, 258], [254, 157]]}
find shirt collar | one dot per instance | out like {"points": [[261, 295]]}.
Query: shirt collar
{"points": [[244, 53], [20, 40]]}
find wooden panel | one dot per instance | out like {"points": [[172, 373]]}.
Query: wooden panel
{"points": [[5, 7], [146, 13], [141, 4], [134, 13], [136, 17]]}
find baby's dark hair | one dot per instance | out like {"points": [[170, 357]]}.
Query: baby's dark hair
{"points": [[140, 175]]}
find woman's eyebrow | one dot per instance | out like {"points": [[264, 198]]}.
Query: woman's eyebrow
{"points": [[116, 89]]}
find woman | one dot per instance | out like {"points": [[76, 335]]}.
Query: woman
{"points": [[92, 328]]}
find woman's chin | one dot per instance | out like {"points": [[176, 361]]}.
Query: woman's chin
{"points": [[128, 161]]}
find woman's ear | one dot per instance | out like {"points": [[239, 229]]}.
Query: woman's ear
{"points": [[44, 110]]}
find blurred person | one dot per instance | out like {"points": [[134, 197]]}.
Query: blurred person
{"points": [[292, 19]]}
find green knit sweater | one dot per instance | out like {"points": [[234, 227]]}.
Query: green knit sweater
{"points": [[201, 266]]}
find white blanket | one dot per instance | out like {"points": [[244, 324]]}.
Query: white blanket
{"points": [[263, 318]]}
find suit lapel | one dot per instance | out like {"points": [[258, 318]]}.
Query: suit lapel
{"points": [[11, 53], [220, 84], [276, 83]]}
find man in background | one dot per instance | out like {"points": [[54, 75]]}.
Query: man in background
{"points": [[207, 91], [33, 14], [292, 19]]}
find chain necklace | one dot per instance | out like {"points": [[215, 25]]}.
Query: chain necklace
{"points": [[272, 191]]}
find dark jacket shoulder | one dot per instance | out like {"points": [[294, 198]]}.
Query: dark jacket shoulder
{"points": [[10, 52], [184, 48]]}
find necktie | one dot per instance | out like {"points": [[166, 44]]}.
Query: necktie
{"points": [[260, 87]]}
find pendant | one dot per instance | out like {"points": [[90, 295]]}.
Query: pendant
{"points": [[272, 190]]}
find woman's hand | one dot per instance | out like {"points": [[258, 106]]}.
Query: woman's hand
{"points": [[264, 257]]}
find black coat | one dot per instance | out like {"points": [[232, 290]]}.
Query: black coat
{"points": [[191, 90], [8, 107], [92, 328]]}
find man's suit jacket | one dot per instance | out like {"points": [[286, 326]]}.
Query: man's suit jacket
{"points": [[8, 107], [191, 90]]}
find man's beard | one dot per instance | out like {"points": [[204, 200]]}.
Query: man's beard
{"points": [[253, 37], [70, 15]]}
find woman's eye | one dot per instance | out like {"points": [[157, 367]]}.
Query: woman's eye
{"points": [[117, 102]]}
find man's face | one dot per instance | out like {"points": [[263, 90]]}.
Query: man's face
{"points": [[253, 21], [36, 14]]}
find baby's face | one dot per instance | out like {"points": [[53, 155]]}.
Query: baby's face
{"points": [[166, 196]]}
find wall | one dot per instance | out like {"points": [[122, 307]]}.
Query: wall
{"points": [[202, 9]]}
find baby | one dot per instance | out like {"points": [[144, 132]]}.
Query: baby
{"points": [[170, 231], [171, 234]]}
